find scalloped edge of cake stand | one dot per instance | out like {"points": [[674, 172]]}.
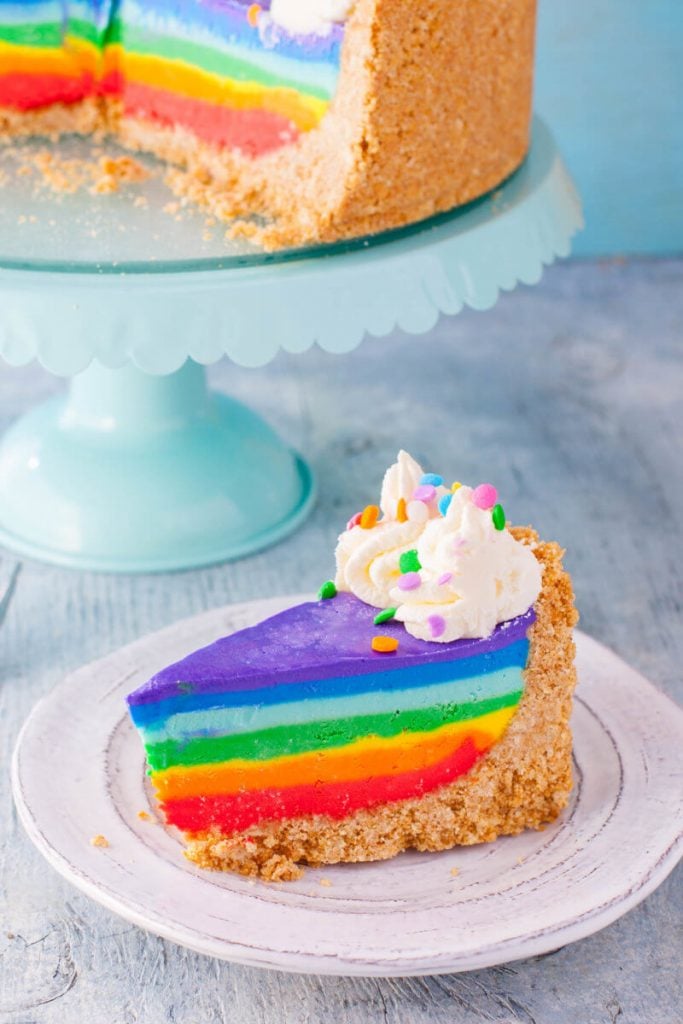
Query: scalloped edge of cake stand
{"points": [[249, 313]]}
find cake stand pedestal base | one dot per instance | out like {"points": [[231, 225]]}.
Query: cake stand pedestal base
{"points": [[131, 472]]}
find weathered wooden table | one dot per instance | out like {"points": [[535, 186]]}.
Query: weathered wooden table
{"points": [[570, 397]]}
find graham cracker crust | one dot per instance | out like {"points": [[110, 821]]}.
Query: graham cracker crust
{"points": [[432, 110], [87, 117], [523, 782]]}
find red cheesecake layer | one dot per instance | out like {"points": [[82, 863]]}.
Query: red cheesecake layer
{"points": [[26, 91], [230, 814], [254, 132]]}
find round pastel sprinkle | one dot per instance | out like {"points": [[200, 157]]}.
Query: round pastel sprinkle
{"points": [[354, 521], [417, 512], [455, 486], [409, 561], [369, 517], [425, 492], [432, 478], [409, 581], [498, 516], [444, 578], [327, 591], [401, 511], [384, 644], [444, 503], [484, 496], [437, 626], [384, 616]]}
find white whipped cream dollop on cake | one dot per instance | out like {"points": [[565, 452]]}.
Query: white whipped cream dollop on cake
{"points": [[441, 558], [309, 17], [368, 556]]}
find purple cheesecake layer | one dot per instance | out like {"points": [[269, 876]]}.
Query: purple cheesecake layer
{"points": [[313, 641]]}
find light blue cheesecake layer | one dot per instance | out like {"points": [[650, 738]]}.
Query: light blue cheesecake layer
{"points": [[254, 717], [33, 12]]}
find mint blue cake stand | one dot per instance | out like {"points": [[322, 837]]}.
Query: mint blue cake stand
{"points": [[139, 467]]}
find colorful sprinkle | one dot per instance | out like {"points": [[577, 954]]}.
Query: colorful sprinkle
{"points": [[455, 486], [410, 581], [384, 616], [432, 478], [409, 561], [444, 503], [327, 591], [384, 644], [252, 14], [417, 512], [444, 578], [459, 543], [484, 496], [401, 511], [498, 516], [354, 521], [426, 493], [437, 626], [369, 517]]}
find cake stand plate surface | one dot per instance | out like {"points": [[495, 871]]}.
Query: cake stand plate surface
{"points": [[79, 771], [85, 277], [139, 467]]}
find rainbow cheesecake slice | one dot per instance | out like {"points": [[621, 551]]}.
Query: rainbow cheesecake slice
{"points": [[331, 732], [299, 716]]}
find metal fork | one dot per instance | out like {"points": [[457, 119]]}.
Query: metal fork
{"points": [[9, 576]]}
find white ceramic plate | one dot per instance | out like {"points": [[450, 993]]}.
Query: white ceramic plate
{"points": [[79, 771]]}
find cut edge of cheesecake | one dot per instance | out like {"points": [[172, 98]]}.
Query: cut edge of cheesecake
{"points": [[432, 110], [523, 782]]}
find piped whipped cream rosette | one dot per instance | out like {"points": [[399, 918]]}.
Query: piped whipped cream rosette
{"points": [[451, 571], [368, 553]]}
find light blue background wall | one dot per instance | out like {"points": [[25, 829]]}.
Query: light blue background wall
{"points": [[610, 83]]}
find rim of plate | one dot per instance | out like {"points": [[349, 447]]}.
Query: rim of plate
{"points": [[295, 929]]}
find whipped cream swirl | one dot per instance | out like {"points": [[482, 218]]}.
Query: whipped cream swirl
{"points": [[309, 17], [470, 574], [368, 560]]}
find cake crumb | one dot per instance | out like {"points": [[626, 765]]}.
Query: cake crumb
{"points": [[455, 872], [326, 883], [99, 840], [110, 172], [144, 816], [102, 175]]}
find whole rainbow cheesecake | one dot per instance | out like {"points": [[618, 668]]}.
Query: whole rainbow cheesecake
{"points": [[326, 117], [347, 730]]}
